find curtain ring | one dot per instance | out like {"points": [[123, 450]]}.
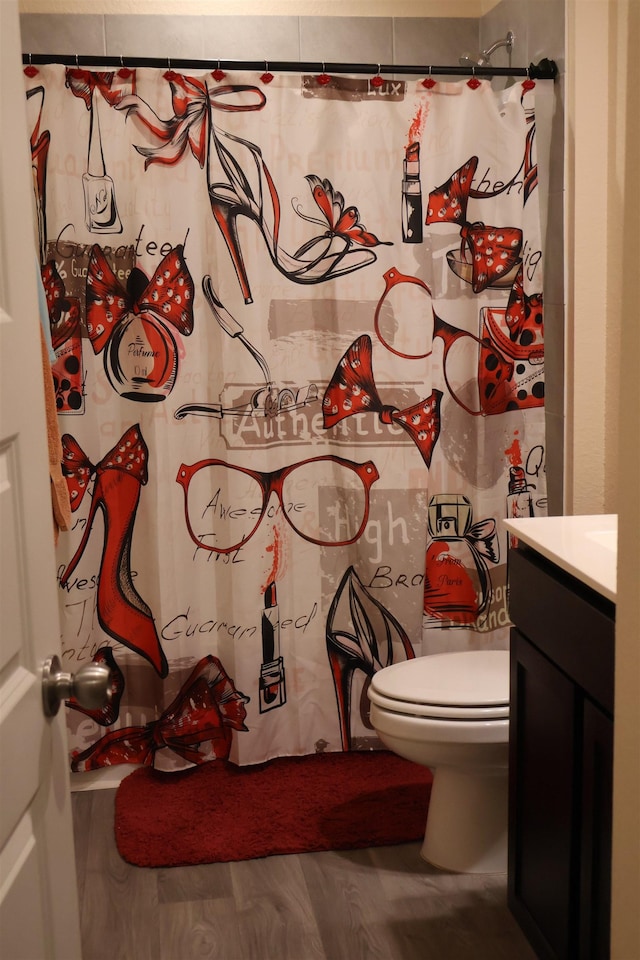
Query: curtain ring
{"points": [[29, 59], [168, 63], [428, 83], [218, 74], [77, 64], [121, 61]]}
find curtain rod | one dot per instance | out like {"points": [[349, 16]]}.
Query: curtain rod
{"points": [[544, 70]]}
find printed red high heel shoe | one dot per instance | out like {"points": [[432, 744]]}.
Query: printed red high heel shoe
{"points": [[362, 635], [326, 256], [122, 612]]}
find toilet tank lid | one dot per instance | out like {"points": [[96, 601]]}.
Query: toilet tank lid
{"points": [[466, 678]]}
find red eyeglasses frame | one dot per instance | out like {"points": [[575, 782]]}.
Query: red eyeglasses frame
{"points": [[272, 482]]}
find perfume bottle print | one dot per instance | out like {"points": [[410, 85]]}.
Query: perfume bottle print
{"points": [[134, 326], [141, 359], [100, 211], [411, 196], [457, 586]]}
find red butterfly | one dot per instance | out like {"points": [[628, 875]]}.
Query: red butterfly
{"points": [[342, 223]]}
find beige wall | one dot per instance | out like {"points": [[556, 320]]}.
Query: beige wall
{"points": [[603, 322]]}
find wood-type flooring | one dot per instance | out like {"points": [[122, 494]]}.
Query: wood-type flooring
{"points": [[378, 904]]}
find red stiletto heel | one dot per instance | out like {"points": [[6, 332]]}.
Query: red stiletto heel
{"points": [[122, 612], [342, 669], [363, 641]]}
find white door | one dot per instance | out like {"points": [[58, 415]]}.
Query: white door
{"points": [[38, 894]]}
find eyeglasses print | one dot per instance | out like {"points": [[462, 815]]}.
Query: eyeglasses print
{"points": [[500, 370], [325, 500]]}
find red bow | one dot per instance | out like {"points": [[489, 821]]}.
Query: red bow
{"points": [[448, 203], [197, 725], [352, 390], [493, 252], [192, 102], [108, 714], [82, 83], [168, 295], [129, 455], [524, 316], [64, 312]]}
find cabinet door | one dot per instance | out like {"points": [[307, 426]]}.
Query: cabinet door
{"points": [[542, 758], [595, 846]]}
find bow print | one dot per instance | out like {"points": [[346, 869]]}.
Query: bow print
{"points": [[493, 252], [352, 390], [64, 312], [130, 456], [197, 725], [485, 546], [189, 125], [524, 316], [168, 295], [82, 83], [108, 714], [448, 203]]}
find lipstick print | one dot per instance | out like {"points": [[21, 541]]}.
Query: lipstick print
{"points": [[272, 682], [411, 196]]}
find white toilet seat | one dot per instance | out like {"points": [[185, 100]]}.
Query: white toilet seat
{"points": [[468, 685], [433, 711]]}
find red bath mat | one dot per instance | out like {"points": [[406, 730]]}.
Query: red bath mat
{"points": [[220, 812]]}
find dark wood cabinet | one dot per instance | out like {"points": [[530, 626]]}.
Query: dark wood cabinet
{"points": [[560, 759]]}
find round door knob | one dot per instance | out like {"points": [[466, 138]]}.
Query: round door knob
{"points": [[90, 686]]}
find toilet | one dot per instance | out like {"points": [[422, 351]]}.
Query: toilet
{"points": [[450, 712]]}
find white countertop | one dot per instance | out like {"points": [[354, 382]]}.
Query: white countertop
{"points": [[586, 547]]}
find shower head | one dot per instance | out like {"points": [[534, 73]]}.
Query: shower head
{"points": [[467, 61], [484, 60]]}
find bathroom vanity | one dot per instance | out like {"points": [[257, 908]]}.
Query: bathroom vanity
{"points": [[562, 582]]}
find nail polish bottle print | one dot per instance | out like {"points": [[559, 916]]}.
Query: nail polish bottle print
{"points": [[100, 211], [519, 499]]}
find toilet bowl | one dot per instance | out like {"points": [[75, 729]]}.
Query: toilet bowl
{"points": [[450, 712]]}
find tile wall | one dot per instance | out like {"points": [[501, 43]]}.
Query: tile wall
{"points": [[538, 26]]}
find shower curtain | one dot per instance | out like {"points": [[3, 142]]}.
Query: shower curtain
{"points": [[299, 371]]}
